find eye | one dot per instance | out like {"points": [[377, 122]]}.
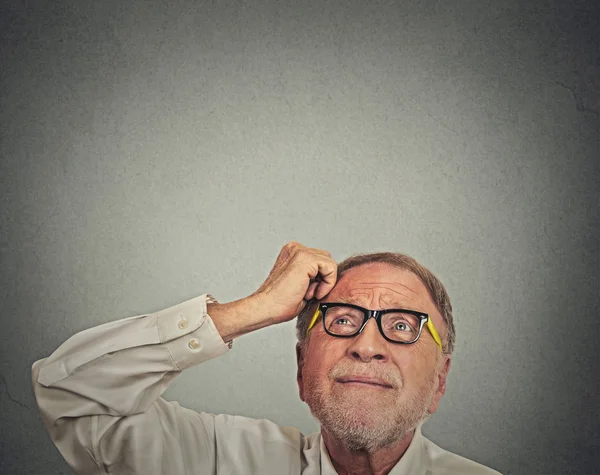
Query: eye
{"points": [[401, 327], [401, 324], [342, 321]]}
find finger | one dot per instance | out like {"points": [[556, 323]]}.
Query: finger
{"points": [[322, 291], [310, 293], [328, 278], [328, 271], [320, 252]]}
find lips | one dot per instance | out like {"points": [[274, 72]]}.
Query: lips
{"points": [[365, 380]]}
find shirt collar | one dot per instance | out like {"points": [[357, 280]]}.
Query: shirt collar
{"points": [[413, 461]]}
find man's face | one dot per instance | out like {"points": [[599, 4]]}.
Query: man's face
{"points": [[411, 378]]}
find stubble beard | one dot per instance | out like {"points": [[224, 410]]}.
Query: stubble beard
{"points": [[365, 419]]}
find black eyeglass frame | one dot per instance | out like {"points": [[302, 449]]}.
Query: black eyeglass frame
{"points": [[377, 315]]}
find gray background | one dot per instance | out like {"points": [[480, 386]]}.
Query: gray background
{"points": [[152, 151]]}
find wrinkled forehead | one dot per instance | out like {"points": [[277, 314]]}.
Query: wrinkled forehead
{"points": [[381, 285], [379, 276]]}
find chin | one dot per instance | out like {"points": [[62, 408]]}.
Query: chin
{"points": [[365, 424], [368, 438], [359, 427]]}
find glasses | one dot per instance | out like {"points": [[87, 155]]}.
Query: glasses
{"points": [[395, 325]]}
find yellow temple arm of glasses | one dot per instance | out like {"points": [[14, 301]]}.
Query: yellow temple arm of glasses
{"points": [[434, 334], [313, 320]]}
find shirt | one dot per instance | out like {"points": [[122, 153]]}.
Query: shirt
{"points": [[99, 395]]}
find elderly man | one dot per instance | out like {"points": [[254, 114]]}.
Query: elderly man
{"points": [[375, 343]]}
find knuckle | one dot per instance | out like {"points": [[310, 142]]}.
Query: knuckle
{"points": [[291, 245]]}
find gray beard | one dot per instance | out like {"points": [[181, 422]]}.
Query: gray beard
{"points": [[360, 427]]}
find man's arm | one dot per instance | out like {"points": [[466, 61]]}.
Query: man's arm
{"points": [[99, 393]]}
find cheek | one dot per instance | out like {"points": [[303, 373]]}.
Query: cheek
{"points": [[322, 354], [416, 366]]}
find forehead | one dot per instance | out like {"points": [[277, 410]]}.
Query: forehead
{"points": [[380, 285]]}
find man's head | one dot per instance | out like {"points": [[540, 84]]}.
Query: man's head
{"points": [[412, 378]]}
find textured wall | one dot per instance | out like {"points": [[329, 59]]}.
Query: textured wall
{"points": [[152, 151]]}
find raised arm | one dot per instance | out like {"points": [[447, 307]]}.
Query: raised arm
{"points": [[99, 392]]}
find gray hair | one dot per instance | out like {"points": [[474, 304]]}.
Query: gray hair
{"points": [[432, 283]]}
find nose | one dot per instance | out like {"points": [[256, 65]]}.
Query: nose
{"points": [[369, 344]]}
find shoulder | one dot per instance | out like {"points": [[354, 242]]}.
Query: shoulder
{"points": [[261, 431], [444, 462], [248, 445]]}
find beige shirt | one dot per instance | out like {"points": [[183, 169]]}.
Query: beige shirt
{"points": [[99, 396]]}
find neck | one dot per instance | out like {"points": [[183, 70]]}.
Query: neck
{"points": [[361, 462]]}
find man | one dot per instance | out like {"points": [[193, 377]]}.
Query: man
{"points": [[375, 344]]}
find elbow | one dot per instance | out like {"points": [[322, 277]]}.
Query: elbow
{"points": [[42, 394]]}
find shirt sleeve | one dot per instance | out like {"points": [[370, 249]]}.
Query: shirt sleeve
{"points": [[99, 394]]}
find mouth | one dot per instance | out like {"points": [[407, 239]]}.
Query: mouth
{"points": [[364, 382]]}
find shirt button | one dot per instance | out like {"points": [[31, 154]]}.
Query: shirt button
{"points": [[182, 324], [194, 344]]}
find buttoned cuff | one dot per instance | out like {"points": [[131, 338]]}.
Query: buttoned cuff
{"points": [[189, 334]]}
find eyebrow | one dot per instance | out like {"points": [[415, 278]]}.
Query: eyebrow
{"points": [[347, 299], [361, 303]]}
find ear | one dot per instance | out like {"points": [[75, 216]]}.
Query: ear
{"points": [[300, 362], [441, 385]]}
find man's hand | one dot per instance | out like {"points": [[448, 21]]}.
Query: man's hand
{"points": [[299, 274]]}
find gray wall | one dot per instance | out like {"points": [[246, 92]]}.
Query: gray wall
{"points": [[153, 151]]}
